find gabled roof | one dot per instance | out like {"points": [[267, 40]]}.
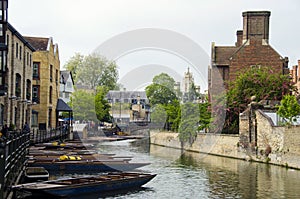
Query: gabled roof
{"points": [[223, 53], [65, 74], [39, 43], [62, 106]]}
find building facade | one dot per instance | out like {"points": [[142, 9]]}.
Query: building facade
{"points": [[16, 104], [66, 85], [46, 82], [252, 49], [123, 103], [295, 74]]}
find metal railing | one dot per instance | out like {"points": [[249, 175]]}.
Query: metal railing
{"points": [[40, 136], [13, 151]]}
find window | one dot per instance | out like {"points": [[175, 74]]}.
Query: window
{"points": [[36, 70], [7, 40], [34, 119], [1, 114], [67, 95], [18, 85], [35, 94], [3, 60], [28, 89], [56, 76], [50, 95], [1, 30], [30, 59], [20, 52], [61, 94], [255, 66], [17, 50], [51, 70], [27, 59]]}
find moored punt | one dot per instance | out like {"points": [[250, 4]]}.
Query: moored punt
{"points": [[55, 145], [63, 151], [87, 166], [34, 174], [87, 185], [74, 156]]}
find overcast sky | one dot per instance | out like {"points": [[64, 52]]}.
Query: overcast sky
{"points": [[81, 26]]}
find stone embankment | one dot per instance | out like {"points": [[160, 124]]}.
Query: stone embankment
{"points": [[229, 146]]}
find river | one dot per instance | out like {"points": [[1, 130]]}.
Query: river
{"points": [[193, 175]]}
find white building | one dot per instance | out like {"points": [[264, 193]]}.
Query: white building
{"points": [[66, 85]]}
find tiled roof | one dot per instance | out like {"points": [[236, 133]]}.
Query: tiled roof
{"points": [[223, 53], [39, 43]]}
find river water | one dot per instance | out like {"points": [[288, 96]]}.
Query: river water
{"points": [[193, 175]]}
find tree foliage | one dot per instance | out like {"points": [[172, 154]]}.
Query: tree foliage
{"points": [[158, 94], [158, 115], [189, 122], [262, 82], [205, 117], [73, 64], [82, 103], [164, 80], [289, 108], [93, 70], [102, 106], [161, 93]]}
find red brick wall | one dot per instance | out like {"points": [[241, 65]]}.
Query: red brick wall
{"points": [[255, 54]]}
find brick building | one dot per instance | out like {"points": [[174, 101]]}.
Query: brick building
{"points": [[295, 74], [252, 49], [46, 82]]}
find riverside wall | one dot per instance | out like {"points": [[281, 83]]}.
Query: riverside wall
{"points": [[283, 144], [214, 144]]}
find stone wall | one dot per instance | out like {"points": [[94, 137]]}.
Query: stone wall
{"points": [[222, 145], [277, 145]]}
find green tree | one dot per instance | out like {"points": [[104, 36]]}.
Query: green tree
{"points": [[289, 108], [158, 115], [73, 64], [158, 94], [205, 118], [102, 106], [263, 83], [189, 122], [173, 115], [161, 92], [82, 103], [164, 80], [93, 70]]}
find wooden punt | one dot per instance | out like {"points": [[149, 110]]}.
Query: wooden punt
{"points": [[87, 185]]}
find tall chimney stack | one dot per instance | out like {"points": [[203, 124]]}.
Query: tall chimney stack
{"points": [[239, 38], [256, 26]]}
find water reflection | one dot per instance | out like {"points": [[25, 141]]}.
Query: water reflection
{"points": [[192, 175], [231, 178]]}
